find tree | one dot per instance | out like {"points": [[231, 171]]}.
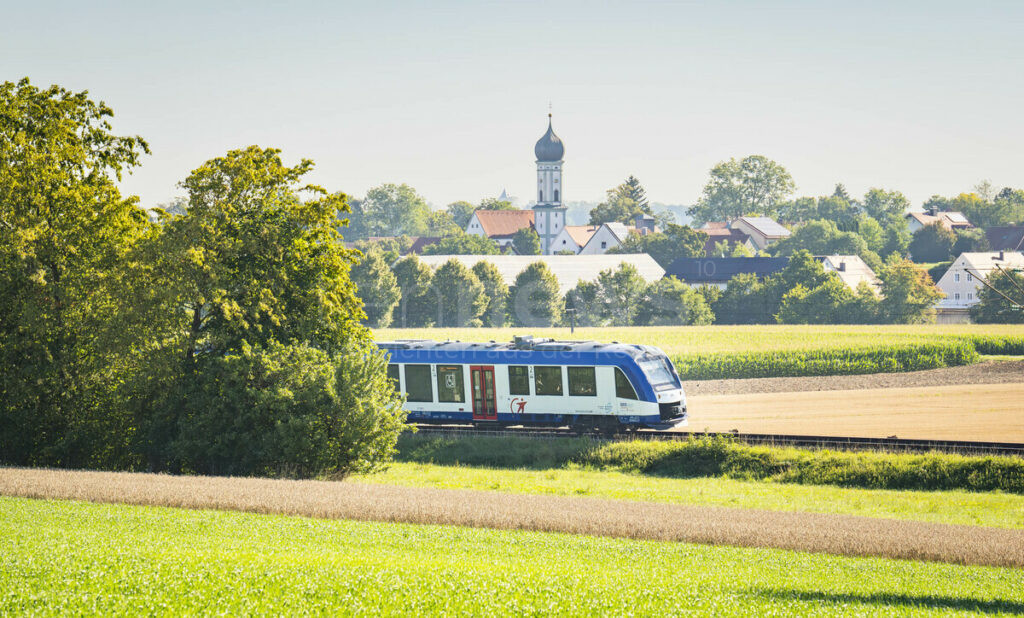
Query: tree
{"points": [[826, 304], [377, 287], [495, 291], [908, 294], [932, 243], [249, 282], [440, 223], [881, 204], [824, 238], [752, 185], [66, 240], [394, 210], [583, 301], [743, 301], [461, 212], [413, 278], [526, 242], [1005, 306], [534, 297], [462, 244], [459, 295], [493, 203], [674, 242], [623, 204], [619, 294], [971, 240], [669, 302], [1006, 208]]}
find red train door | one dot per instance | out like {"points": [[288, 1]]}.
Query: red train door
{"points": [[485, 405]]}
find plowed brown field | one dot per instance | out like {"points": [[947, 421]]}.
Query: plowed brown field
{"points": [[982, 412]]}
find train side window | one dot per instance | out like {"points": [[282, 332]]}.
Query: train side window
{"points": [[582, 382], [547, 380], [518, 380], [623, 389], [393, 373], [450, 385], [417, 383]]}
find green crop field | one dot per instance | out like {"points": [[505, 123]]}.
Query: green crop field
{"points": [[762, 351], [62, 558], [718, 339], [948, 507]]}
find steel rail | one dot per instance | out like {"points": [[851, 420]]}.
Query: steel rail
{"points": [[845, 443]]}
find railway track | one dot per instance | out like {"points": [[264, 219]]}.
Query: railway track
{"points": [[848, 443]]}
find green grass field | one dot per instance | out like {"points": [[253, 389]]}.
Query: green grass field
{"points": [[674, 340], [63, 558], [948, 507]]}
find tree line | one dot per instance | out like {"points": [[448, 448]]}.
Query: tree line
{"points": [[220, 337]]}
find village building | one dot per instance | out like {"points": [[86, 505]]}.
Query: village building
{"points": [[961, 282], [949, 220], [568, 269], [716, 272], [852, 271], [499, 225], [573, 238], [1005, 238]]}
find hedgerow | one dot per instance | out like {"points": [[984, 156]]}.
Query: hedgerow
{"points": [[841, 361], [725, 457]]}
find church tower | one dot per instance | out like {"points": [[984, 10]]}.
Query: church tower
{"points": [[549, 214]]}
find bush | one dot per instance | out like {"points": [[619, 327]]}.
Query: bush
{"points": [[792, 363]]}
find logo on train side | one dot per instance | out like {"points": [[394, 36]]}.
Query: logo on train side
{"points": [[517, 406]]}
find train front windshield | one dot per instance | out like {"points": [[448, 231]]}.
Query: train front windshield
{"points": [[659, 374]]}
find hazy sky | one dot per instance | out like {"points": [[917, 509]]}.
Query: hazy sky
{"points": [[450, 97]]}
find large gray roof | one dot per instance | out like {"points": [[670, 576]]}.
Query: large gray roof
{"points": [[549, 147]]}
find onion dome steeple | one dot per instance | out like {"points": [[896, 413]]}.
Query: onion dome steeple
{"points": [[549, 147]]}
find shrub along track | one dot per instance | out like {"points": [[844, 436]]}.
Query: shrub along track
{"points": [[813, 532]]}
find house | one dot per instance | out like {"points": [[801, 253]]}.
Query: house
{"points": [[761, 230], [717, 272], [949, 220], [572, 238], [606, 236], [1005, 238], [569, 269], [721, 232], [851, 270], [499, 225], [960, 284]]}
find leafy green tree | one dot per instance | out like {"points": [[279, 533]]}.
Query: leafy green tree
{"points": [[493, 203], [496, 293], [535, 299], [66, 239], [462, 244], [1004, 307], [526, 242], [881, 204], [908, 294], [459, 295], [752, 185], [971, 240], [394, 210], [377, 287], [414, 308], [897, 238], [824, 238], [872, 232], [440, 223], [249, 276], [669, 302], [674, 242], [827, 303], [932, 243], [1005, 208], [623, 203], [461, 212], [743, 301], [619, 294], [582, 300]]}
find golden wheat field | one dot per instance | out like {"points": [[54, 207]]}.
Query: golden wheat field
{"points": [[814, 532], [982, 412]]}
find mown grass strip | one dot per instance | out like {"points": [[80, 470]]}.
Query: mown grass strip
{"points": [[814, 532], [69, 558], [717, 456]]}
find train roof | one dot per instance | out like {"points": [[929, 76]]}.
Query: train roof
{"points": [[524, 344]]}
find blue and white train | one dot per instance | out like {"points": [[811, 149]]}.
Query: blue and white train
{"points": [[530, 381]]}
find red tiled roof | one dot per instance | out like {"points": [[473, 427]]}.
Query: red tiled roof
{"points": [[581, 234], [503, 222]]}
